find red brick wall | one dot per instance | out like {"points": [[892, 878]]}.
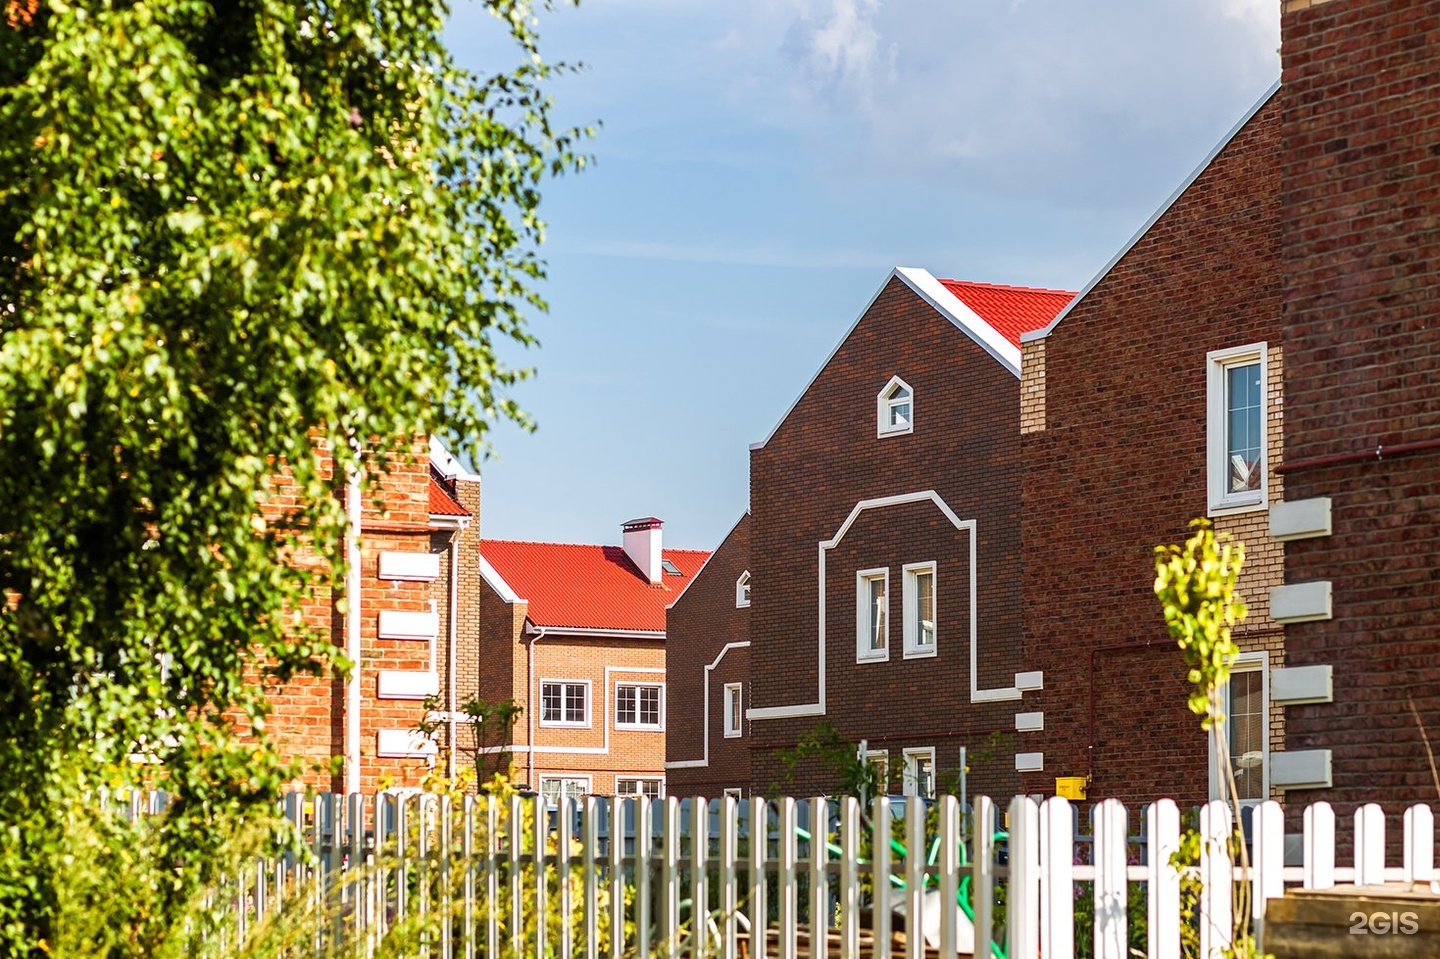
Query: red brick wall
{"points": [[1120, 466], [1361, 215], [823, 459], [697, 628]]}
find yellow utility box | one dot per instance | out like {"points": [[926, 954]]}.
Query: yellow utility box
{"points": [[1070, 787]]}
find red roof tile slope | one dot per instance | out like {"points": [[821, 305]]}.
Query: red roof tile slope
{"points": [[442, 503], [1011, 310], [589, 587]]}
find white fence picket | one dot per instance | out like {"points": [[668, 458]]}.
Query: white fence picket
{"points": [[880, 924], [1110, 828], [729, 892], [786, 891], [1023, 917], [949, 863], [1369, 845], [819, 878], [982, 876], [699, 877], [669, 876], [914, 880], [564, 826], [1419, 844], [849, 876], [1319, 869], [759, 908], [1057, 898], [1163, 902], [617, 877], [1216, 878]]}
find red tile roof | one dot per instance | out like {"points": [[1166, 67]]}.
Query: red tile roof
{"points": [[442, 503], [589, 587], [1011, 310]]}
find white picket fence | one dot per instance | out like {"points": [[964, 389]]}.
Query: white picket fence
{"points": [[622, 878]]}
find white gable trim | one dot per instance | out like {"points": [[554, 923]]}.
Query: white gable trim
{"points": [[447, 464], [723, 540], [929, 289], [497, 583], [1154, 217], [704, 759]]}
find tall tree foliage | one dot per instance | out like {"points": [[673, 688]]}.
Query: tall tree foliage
{"points": [[232, 235]]}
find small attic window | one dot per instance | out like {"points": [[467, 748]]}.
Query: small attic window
{"points": [[742, 590], [895, 408], [670, 568]]}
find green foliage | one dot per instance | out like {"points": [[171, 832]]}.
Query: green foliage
{"points": [[1195, 584], [479, 736], [235, 239], [853, 775]]}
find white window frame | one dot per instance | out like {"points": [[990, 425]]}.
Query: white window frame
{"points": [[885, 401], [658, 727], [910, 781], [742, 590], [909, 608], [565, 723], [562, 778], [865, 651], [881, 758], [735, 792], [1218, 363], [1246, 663], [734, 711], [658, 780]]}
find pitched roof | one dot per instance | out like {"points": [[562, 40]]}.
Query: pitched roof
{"points": [[442, 503], [589, 587], [1011, 310]]}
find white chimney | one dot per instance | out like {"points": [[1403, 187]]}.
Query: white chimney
{"points": [[642, 545]]}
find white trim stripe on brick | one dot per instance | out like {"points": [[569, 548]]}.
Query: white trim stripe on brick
{"points": [[399, 624], [410, 566]]}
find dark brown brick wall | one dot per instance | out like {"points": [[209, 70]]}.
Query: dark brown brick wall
{"points": [[1361, 215], [697, 627], [822, 460], [1120, 467]]}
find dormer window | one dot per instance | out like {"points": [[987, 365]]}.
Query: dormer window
{"points": [[895, 408], [742, 590]]}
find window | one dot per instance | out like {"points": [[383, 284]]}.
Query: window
{"points": [[638, 706], [734, 792], [895, 408], [880, 759], [571, 787], [872, 620], [742, 590], [734, 709], [649, 788], [1237, 428], [1247, 731], [919, 604], [564, 704], [920, 772]]}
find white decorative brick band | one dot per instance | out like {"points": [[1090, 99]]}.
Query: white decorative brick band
{"points": [[1301, 769], [403, 744], [1301, 684], [1031, 681], [1029, 762], [395, 624], [1300, 602], [407, 684], [1300, 519], [420, 567], [1029, 722]]}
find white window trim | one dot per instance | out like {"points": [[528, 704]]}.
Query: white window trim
{"points": [[863, 651], [910, 779], [883, 402], [564, 778], [562, 723], [910, 600], [1217, 468], [881, 758], [735, 792], [1246, 663], [742, 591], [640, 779], [733, 716], [639, 727]]}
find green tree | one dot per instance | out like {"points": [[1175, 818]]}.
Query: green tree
{"points": [[233, 237]]}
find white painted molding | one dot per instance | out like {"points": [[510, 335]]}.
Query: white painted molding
{"points": [[1301, 602], [497, 582], [417, 567], [395, 624], [1029, 762], [404, 744], [1031, 681], [1029, 722], [1300, 519], [1301, 769], [407, 684], [1294, 685]]}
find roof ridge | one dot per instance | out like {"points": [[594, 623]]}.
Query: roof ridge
{"points": [[1010, 287]]}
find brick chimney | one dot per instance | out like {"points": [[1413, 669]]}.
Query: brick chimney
{"points": [[642, 545]]}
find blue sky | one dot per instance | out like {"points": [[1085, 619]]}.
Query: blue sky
{"points": [[760, 167]]}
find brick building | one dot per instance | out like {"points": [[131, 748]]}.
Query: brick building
{"points": [[412, 627], [892, 483], [575, 635], [707, 671]]}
